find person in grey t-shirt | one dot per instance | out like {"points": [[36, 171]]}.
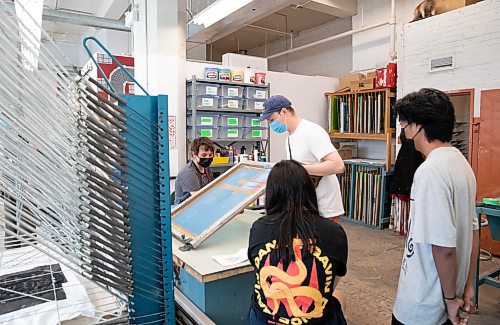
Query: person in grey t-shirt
{"points": [[436, 280], [196, 174]]}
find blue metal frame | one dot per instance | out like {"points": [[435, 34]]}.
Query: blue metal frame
{"points": [[152, 300], [89, 38], [165, 216]]}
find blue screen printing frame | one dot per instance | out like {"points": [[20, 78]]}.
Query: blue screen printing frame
{"points": [[200, 216], [152, 301]]}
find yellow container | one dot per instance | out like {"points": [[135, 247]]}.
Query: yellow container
{"points": [[220, 160], [237, 75]]}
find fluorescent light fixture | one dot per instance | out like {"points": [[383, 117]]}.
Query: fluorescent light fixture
{"points": [[217, 11]]}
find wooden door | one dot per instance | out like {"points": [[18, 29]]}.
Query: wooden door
{"points": [[488, 158], [463, 100]]}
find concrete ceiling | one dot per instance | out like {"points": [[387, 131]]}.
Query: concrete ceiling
{"points": [[231, 34], [277, 16], [290, 19]]}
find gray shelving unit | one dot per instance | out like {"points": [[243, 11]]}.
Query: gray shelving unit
{"points": [[214, 100]]}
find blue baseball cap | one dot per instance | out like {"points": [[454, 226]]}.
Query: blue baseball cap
{"points": [[274, 104]]}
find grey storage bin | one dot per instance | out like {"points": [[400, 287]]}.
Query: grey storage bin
{"points": [[204, 119], [203, 101], [233, 103], [255, 133], [204, 89], [254, 104], [256, 92], [231, 133], [232, 91], [253, 121], [205, 131], [232, 121]]}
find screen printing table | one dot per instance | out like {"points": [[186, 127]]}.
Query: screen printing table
{"points": [[222, 293]]}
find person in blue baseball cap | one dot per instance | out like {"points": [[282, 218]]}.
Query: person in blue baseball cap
{"points": [[309, 144]]}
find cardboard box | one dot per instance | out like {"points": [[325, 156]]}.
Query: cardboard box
{"points": [[345, 81], [370, 75], [443, 6], [347, 150], [365, 84], [345, 153]]}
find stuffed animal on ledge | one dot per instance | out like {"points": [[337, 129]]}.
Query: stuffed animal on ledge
{"points": [[425, 9]]}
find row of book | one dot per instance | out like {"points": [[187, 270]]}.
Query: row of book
{"points": [[400, 215], [363, 204], [345, 187], [367, 193], [357, 113]]}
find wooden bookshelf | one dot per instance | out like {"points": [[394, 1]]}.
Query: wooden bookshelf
{"points": [[391, 93], [363, 115], [358, 136]]}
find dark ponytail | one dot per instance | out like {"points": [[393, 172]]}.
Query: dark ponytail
{"points": [[291, 202]]}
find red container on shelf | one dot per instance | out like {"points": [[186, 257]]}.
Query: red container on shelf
{"points": [[386, 77]]}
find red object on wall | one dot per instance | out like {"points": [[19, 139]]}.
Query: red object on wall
{"points": [[386, 77], [121, 83]]}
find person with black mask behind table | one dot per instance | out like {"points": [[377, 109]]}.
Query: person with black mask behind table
{"points": [[197, 173]]}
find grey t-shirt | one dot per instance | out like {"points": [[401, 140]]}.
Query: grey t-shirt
{"points": [[189, 179], [442, 213]]}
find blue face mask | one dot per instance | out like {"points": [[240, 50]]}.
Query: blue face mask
{"points": [[277, 126]]}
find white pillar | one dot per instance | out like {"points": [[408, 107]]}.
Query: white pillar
{"points": [[160, 58]]}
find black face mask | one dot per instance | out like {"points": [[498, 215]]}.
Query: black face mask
{"points": [[403, 137], [205, 162]]}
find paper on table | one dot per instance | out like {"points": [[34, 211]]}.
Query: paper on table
{"points": [[232, 259]]}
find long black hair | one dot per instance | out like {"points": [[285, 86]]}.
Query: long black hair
{"points": [[291, 202]]}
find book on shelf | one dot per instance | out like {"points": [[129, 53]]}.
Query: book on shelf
{"points": [[362, 113], [367, 192], [345, 187]]}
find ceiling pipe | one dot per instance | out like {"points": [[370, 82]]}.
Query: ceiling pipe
{"points": [[392, 22], [59, 16], [274, 31], [334, 37]]}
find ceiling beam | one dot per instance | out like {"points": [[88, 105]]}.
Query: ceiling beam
{"points": [[113, 9], [254, 11], [338, 8]]}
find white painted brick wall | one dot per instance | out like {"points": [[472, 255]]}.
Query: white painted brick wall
{"points": [[332, 59], [471, 34]]}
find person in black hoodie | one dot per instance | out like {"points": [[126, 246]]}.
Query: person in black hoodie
{"points": [[407, 163], [298, 256]]}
